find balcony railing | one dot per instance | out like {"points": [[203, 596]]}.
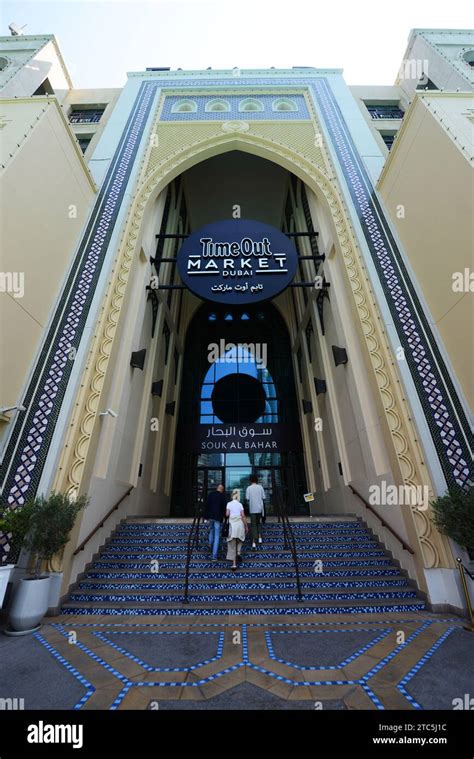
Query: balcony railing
{"points": [[85, 117], [385, 111]]}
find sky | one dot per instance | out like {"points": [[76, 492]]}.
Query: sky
{"points": [[102, 41]]}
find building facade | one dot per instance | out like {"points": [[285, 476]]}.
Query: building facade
{"points": [[367, 380]]}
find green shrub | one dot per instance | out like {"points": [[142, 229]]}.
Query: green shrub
{"points": [[42, 525], [454, 517]]}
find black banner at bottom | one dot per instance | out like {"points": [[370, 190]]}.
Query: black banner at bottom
{"points": [[62, 734]]}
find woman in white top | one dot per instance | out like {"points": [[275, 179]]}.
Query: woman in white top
{"points": [[238, 528]]}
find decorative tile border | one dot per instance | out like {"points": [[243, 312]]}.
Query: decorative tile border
{"points": [[148, 667], [444, 413], [344, 663], [31, 436], [199, 586], [89, 687], [401, 685], [243, 611], [94, 575]]}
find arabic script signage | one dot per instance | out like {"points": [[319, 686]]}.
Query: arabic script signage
{"points": [[237, 261], [235, 438]]}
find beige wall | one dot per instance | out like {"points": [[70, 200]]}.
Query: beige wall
{"points": [[429, 173], [75, 98], [42, 180], [31, 60]]}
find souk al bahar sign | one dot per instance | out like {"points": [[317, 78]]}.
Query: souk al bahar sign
{"points": [[237, 261]]}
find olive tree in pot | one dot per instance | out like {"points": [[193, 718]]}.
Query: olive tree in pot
{"points": [[51, 522], [454, 517], [14, 523]]}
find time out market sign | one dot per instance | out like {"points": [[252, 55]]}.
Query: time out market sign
{"points": [[237, 261]]}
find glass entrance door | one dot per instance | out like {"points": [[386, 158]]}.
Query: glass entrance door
{"points": [[265, 480], [237, 478], [208, 480]]}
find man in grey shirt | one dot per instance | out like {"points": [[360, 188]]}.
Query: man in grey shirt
{"points": [[255, 496]]}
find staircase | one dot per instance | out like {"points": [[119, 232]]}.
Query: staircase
{"points": [[141, 570]]}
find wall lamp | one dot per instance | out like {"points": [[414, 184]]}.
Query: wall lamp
{"points": [[307, 406], [157, 388], [109, 412], [320, 386], [137, 360], [340, 355]]}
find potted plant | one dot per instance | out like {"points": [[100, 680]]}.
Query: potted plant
{"points": [[454, 517], [51, 522], [15, 523]]}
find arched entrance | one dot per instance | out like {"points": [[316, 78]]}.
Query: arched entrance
{"points": [[238, 408]]}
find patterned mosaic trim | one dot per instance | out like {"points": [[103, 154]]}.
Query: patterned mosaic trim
{"points": [[310, 668], [32, 433], [237, 597], [309, 527], [272, 545], [401, 583], [148, 667], [424, 659], [89, 687], [446, 419], [108, 555], [255, 564], [247, 575], [113, 550], [250, 611]]}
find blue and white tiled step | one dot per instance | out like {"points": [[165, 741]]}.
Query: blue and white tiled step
{"points": [[141, 571]]}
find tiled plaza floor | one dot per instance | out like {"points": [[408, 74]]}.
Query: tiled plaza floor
{"points": [[399, 661]]}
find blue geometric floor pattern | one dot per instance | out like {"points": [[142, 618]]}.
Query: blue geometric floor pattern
{"points": [[164, 651], [395, 663], [331, 652], [29, 667], [444, 679], [242, 697]]}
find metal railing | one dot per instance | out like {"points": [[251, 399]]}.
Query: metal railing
{"points": [[405, 546], [289, 542], [80, 547], [193, 541], [463, 571]]}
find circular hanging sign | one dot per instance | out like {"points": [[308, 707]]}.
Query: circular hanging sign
{"points": [[237, 261]]}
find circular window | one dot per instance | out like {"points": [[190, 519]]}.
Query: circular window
{"points": [[3, 63], [238, 398], [469, 57]]}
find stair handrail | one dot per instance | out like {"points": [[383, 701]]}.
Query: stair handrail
{"points": [[289, 538], [367, 505], [100, 524], [463, 571], [193, 539]]}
